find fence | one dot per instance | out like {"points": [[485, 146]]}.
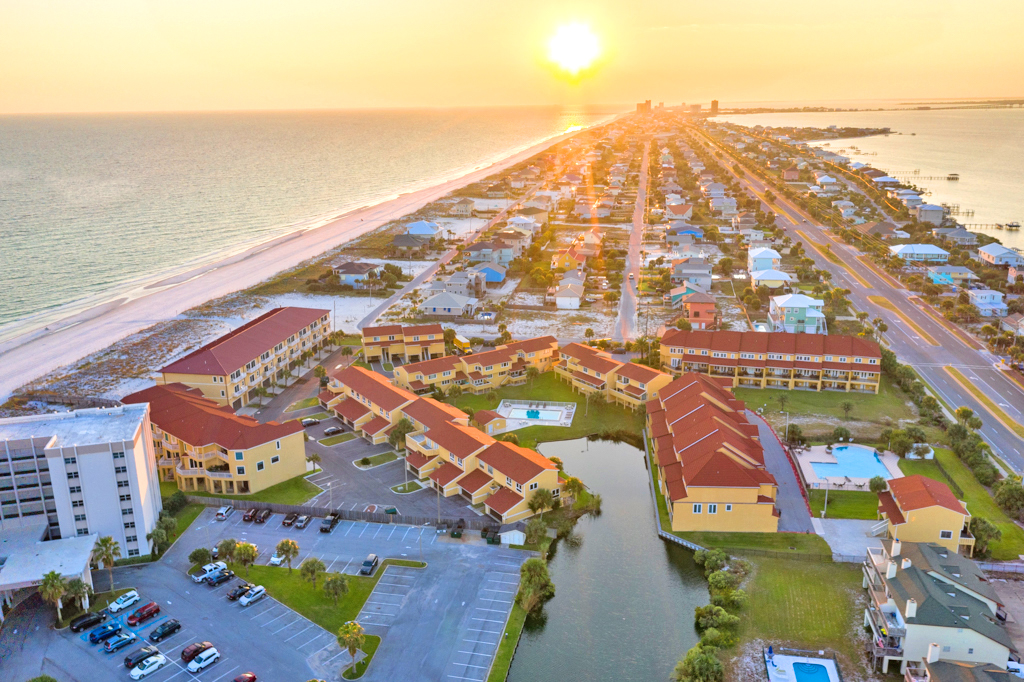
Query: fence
{"points": [[75, 401], [949, 479], [477, 523], [663, 534], [992, 567]]}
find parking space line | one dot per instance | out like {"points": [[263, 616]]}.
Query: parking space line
{"points": [[311, 641], [335, 656], [459, 677], [490, 632], [225, 674], [480, 608], [488, 620], [379, 529], [298, 633], [271, 605], [350, 528], [383, 603], [381, 582], [286, 626], [472, 653], [491, 589], [480, 641], [332, 563], [406, 534], [326, 647], [344, 570], [470, 665], [273, 619]]}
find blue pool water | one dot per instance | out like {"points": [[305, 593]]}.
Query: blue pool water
{"points": [[855, 461], [544, 415], [810, 672]]}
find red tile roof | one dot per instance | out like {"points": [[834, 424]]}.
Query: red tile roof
{"points": [[591, 358], [325, 397], [445, 474], [641, 373], [588, 379], [475, 480], [461, 441], [184, 413], [918, 492], [373, 386], [775, 343], [237, 348], [418, 459], [519, 464], [485, 416], [428, 412], [503, 500], [386, 330], [888, 506], [375, 426], [351, 409]]}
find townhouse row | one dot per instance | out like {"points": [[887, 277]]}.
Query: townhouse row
{"points": [[589, 370]]}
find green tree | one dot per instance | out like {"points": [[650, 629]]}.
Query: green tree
{"points": [[199, 556], [79, 591], [336, 586], [245, 554], [573, 487], [700, 665], [783, 399], [877, 484], [52, 590], [900, 444], [311, 569], [226, 549], [396, 438], [346, 352], [176, 502], [985, 533], [963, 415], [847, 407], [288, 550], [351, 637], [107, 551], [841, 434], [535, 530], [540, 500], [261, 393], [683, 324], [319, 372], [1010, 496], [157, 539], [794, 434], [531, 374], [492, 397], [712, 616]]}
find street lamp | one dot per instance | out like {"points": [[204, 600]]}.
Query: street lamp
{"points": [[787, 427]]}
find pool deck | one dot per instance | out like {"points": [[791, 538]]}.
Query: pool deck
{"points": [[819, 454], [780, 667], [566, 410]]}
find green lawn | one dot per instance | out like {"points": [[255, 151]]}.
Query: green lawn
{"points": [[410, 487], [186, 516], [979, 502], [387, 367], [303, 404], [370, 644], [97, 603], [507, 647], [845, 504], [377, 460], [601, 417], [319, 415], [335, 440], [293, 491], [352, 340]]}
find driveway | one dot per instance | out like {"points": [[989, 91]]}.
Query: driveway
{"points": [[1011, 593], [796, 518], [849, 537]]}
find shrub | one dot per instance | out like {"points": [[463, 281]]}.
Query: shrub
{"points": [[711, 559], [1010, 496], [700, 665], [176, 502], [877, 484], [712, 616], [365, 461], [984, 532]]}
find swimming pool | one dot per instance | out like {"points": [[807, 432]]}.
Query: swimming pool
{"points": [[540, 414], [810, 672], [855, 461]]}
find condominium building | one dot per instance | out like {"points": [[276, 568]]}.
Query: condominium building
{"points": [[784, 360], [203, 446], [923, 594], [506, 365], [589, 370], [709, 459], [258, 353], [920, 509], [365, 401], [85, 472], [410, 344]]}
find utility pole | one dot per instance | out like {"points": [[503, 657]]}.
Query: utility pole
{"points": [[787, 427]]}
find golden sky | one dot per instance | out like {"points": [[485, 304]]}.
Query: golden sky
{"points": [[150, 55]]}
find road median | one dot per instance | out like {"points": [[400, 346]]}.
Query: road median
{"points": [[832, 257], [883, 302], [953, 329], [989, 404]]}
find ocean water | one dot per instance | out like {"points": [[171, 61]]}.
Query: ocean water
{"points": [[985, 146], [90, 203]]}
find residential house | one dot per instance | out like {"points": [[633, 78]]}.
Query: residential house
{"points": [[921, 509], [700, 309], [1015, 272], [492, 272], [726, 206], [797, 314], [467, 283], [930, 213], [780, 360], [922, 594], [931, 669], [409, 344], [882, 230], [568, 259], [746, 220], [709, 459], [449, 305], [997, 254], [956, 235], [489, 421], [353, 272], [679, 211], [423, 228], [365, 401], [204, 446], [497, 252], [568, 296], [463, 208], [526, 223], [535, 213], [773, 279], [846, 209], [693, 270], [920, 253], [763, 259], [712, 189], [989, 302], [675, 296], [259, 353], [951, 275], [790, 174], [410, 242], [589, 370], [1013, 323], [518, 239]]}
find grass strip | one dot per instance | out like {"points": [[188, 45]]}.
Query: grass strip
{"points": [[980, 396], [370, 644], [319, 415], [882, 274], [376, 460], [303, 404], [507, 648], [405, 488], [845, 504], [883, 302], [827, 253], [293, 491], [953, 329], [335, 440]]}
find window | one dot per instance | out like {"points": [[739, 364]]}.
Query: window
{"points": [[70, 460], [945, 534], [460, 461], [508, 481], [72, 474], [451, 456], [131, 538], [77, 503], [133, 552], [728, 507], [75, 489], [275, 459], [278, 445], [240, 471], [120, 470], [555, 493], [533, 486], [129, 525], [79, 517], [259, 465], [123, 484], [970, 650], [696, 509], [519, 487], [127, 511], [118, 455], [712, 509], [945, 649], [239, 456], [83, 531], [126, 497]]}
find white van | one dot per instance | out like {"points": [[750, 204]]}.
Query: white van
{"points": [[208, 570], [253, 595], [204, 660], [224, 512]]}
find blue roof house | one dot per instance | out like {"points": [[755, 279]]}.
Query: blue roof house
{"points": [[492, 272], [422, 227]]}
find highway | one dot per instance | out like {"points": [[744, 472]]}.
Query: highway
{"points": [[626, 328], [927, 359]]}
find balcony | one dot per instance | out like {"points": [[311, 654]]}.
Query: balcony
{"points": [[916, 674]]}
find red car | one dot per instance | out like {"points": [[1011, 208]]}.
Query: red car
{"points": [[246, 677], [250, 515], [144, 613], [193, 650]]}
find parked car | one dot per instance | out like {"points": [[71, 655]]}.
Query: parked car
{"points": [[329, 522], [309, 421], [193, 650], [204, 660], [224, 512], [220, 578], [87, 620], [276, 559], [139, 655], [144, 613], [119, 641], [290, 519], [148, 666], [333, 431], [303, 521], [253, 595], [369, 564], [164, 630], [208, 570], [123, 602], [104, 632], [245, 677], [250, 514], [263, 515], [240, 591]]}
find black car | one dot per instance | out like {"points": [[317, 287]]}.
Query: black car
{"points": [[220, 578], [164, 630], [240, 591], [309, 421], [138, 656], [87, 620], [329, 522], [290, 519], [263, 515], [370, 564], [333, 430]]}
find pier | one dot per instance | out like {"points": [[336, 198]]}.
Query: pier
{"points": [[954, 209], [916, 174], [1011, 226]]}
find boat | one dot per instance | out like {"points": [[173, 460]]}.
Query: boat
{"points": [[1013, 225]]}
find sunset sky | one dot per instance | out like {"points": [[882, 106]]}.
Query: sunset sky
{"points": [[141, 55]]}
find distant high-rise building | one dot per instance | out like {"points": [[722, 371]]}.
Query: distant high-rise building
{"points": [[643, 107], [714, 107], [695, 109], [661, 105]]}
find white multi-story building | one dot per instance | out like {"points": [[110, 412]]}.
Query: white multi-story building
{"points": [[87, 472]]}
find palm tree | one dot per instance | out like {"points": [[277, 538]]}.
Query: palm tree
{"points": [[287, 549], [336, 586], [591, 397], [245, 554], [543, 499], [314, 457], [532, 373], [261, 393], [107, 551], [79, 591], [351, 637], [589, 333], [226, 549], [847, 407], [963, 414], [157, 538], [573, 487], [310, 569], [52, 589]]}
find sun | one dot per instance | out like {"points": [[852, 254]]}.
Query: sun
{"points": [[574, 47]]}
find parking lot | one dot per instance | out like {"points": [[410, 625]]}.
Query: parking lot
{"points": [[442, 622]]}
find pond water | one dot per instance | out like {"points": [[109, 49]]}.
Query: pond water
{"points": [[624, 600]]}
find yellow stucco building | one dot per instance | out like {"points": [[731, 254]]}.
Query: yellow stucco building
{"points": [[921, 509], [589, 370], [409, 344]]}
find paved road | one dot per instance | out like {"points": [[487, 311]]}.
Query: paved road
{"points": [[627, 304], [928, 360], [790, 501]]}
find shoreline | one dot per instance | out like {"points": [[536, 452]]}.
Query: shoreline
{"points": [[37, 351]]}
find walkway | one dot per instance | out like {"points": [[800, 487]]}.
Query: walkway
{"points": [[795, 516]]}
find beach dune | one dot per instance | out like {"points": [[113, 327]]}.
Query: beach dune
{"points": [[34, 353]]}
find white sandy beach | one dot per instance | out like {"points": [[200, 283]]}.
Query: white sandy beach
{"points": [[35, 353]]}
